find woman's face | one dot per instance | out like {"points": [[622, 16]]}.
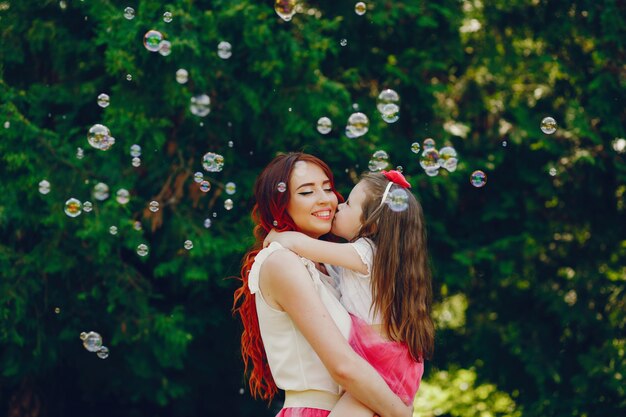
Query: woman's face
{"points": [[312, 202]]}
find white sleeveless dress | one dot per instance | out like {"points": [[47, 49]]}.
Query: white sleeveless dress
{"points": [[295, 366]]}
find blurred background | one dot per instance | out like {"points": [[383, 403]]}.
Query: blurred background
{"points": [[138, 239]]}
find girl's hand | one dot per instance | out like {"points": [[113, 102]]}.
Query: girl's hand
{"points": [[286, 239]]}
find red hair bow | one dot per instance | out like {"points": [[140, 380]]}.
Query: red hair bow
{"points": [[397, 178]]}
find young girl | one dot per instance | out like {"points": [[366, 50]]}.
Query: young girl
{"points": [[383, 278]]}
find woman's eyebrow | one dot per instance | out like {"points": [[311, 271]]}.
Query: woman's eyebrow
{"points": [[310, 184]]}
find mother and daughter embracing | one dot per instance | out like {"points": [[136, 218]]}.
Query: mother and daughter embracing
{"points": [[342, 328]]}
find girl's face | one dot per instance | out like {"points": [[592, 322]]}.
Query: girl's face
{"points": [[312, 202], [348, 219]]}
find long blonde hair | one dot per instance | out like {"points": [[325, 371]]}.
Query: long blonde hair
{"points": [[401, 277]]}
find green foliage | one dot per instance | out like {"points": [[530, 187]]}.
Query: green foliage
{"points": [[529, 270]]}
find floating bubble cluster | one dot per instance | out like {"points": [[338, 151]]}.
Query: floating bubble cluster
{"points": [[358, 124], [213, 162], [447, 158], [478, 179], [224, 50], [92, 341], [324, 125], [286, 9], [379, 161], [44, 187], [230, 188], [152, 40], [388, 104], [548, 125], [200, 105]]}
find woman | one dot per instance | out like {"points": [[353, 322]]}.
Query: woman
{"points": [[286, 300]]}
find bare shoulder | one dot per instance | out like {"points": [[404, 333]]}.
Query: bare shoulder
{"points": [[282, 265]]}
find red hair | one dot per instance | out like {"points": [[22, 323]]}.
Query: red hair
{"points": [[270, 206]]}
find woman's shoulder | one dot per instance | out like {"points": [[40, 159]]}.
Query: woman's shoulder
{"points": [[272, 261]]}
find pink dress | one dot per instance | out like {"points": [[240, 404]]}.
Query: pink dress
{"points": [[392, 360]]}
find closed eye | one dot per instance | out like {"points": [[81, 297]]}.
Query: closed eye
{"points": [[306, 192]]}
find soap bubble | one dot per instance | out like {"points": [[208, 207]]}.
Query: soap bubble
{"points": [[379, 161], [129, 13], [285, 9], [213, 162], [360, 8], [432, 172], [478, 179], [154, 206], [135, 150], [137, 225], [99, 137], [548, 125], [87, 206], [44, 187], [231, 144], [188, 244], [198, 177], [447, 158], [167, 17], [228, 204], [429, 159], [57, 310], [275, 223], [281, 187], [343, 42], [113, 230], [101, 191], [80, 153], [390, 113], [92, 341], [415, 147], [324, 125], [386, 97], [136, 162], [152, 40], [103, 352], [142, 249], [224, 50], [182, 76], [129, 77], [165, 48], [207, 222], [358, 124], [349, 133], [230, 188], [103, 100], [429, 143], [205, 186], [122, 196], [200, 105], [398, 200], [73, 207]]}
